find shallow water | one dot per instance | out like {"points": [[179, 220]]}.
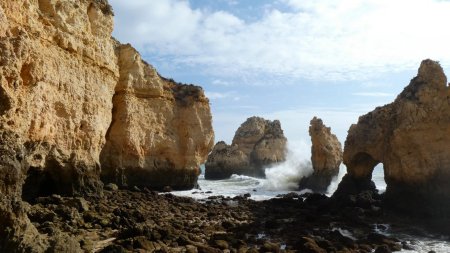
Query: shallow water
{"points": [[280, 181], [261, 189]]}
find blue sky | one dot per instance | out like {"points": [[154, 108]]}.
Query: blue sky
{"points": [[288, 59]]}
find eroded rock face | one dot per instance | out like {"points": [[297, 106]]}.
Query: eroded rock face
{"points": [[66, 85], [57, 75], [161, 131], [411, 138], [61, 73], [326, 156], [257, 144], [226, 160]]}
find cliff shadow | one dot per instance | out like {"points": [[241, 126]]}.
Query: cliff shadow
{"points": [[38, 183]]}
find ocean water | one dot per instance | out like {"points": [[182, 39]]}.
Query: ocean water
{"points": [[284, 178], [280, 180]]}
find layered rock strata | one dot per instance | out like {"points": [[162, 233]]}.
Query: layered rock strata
{"points": [[67, 89], [326, 157], [410, 137], [257, 144], [159, 128], [57, 77], [61, 74]]}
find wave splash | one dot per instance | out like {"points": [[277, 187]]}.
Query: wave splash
{"points": [[287, 175]]}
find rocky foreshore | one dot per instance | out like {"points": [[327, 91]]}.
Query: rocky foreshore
{"points": [[147, 221]]}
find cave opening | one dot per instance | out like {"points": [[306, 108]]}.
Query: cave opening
{"points": [[369, 172], [38, 183], [378, 178]]}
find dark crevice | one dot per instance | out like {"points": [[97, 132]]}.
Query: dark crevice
{"points": [[38, 183], [5, 101]]}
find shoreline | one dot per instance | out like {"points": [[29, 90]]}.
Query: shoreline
{"points": [[147, 221]]}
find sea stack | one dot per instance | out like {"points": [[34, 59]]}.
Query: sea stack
{"points": [[257, 144], [326, 156], [411, 138]]}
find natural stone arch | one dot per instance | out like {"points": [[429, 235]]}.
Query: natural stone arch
{"points": [[410, 136], [362, 165]]}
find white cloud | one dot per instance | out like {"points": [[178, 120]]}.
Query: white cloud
{"points": [[326, 40], [229, 95], [221, 82], [373, 94]]}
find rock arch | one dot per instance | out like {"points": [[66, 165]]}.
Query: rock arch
{"points": [[362, 165], [411, 138]]}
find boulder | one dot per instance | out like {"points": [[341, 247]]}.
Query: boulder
{"points": [[257, 144], [17, 233], [411, 138], [326, 157]]}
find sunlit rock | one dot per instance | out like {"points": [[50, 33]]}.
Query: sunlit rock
{"points": [[257, 144], [411, 138], [326, 156]]}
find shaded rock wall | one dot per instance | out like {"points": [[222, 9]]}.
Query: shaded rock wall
{"points": [[257, 144], [411, 138], [326, 156]]}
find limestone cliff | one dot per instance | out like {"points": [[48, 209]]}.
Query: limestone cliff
{"points": [[58, 71], [326, 156], [66, 89], [411, 138], [257, 144], [159, 128]]}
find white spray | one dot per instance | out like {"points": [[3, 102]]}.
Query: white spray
{"points": [[287, 175], [336, 180]]}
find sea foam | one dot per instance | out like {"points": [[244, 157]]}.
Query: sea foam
{"points": [[287, 175]]}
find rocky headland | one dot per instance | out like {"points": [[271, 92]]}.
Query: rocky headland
{"points": [[326, 157], [257, 144], [78, 107], [88, 130], [410, 137]]}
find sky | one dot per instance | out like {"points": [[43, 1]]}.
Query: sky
{"points": [[288, 59]]}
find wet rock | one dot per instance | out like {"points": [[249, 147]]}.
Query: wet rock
{"points": [[62, 242], [167, 188], [270, 247], [191, 249], [309, 245], [114, 249], [383, 249], [79, 203], [379, 239], [142, 243], [111, 187], [221, 244], [326, 156]]}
